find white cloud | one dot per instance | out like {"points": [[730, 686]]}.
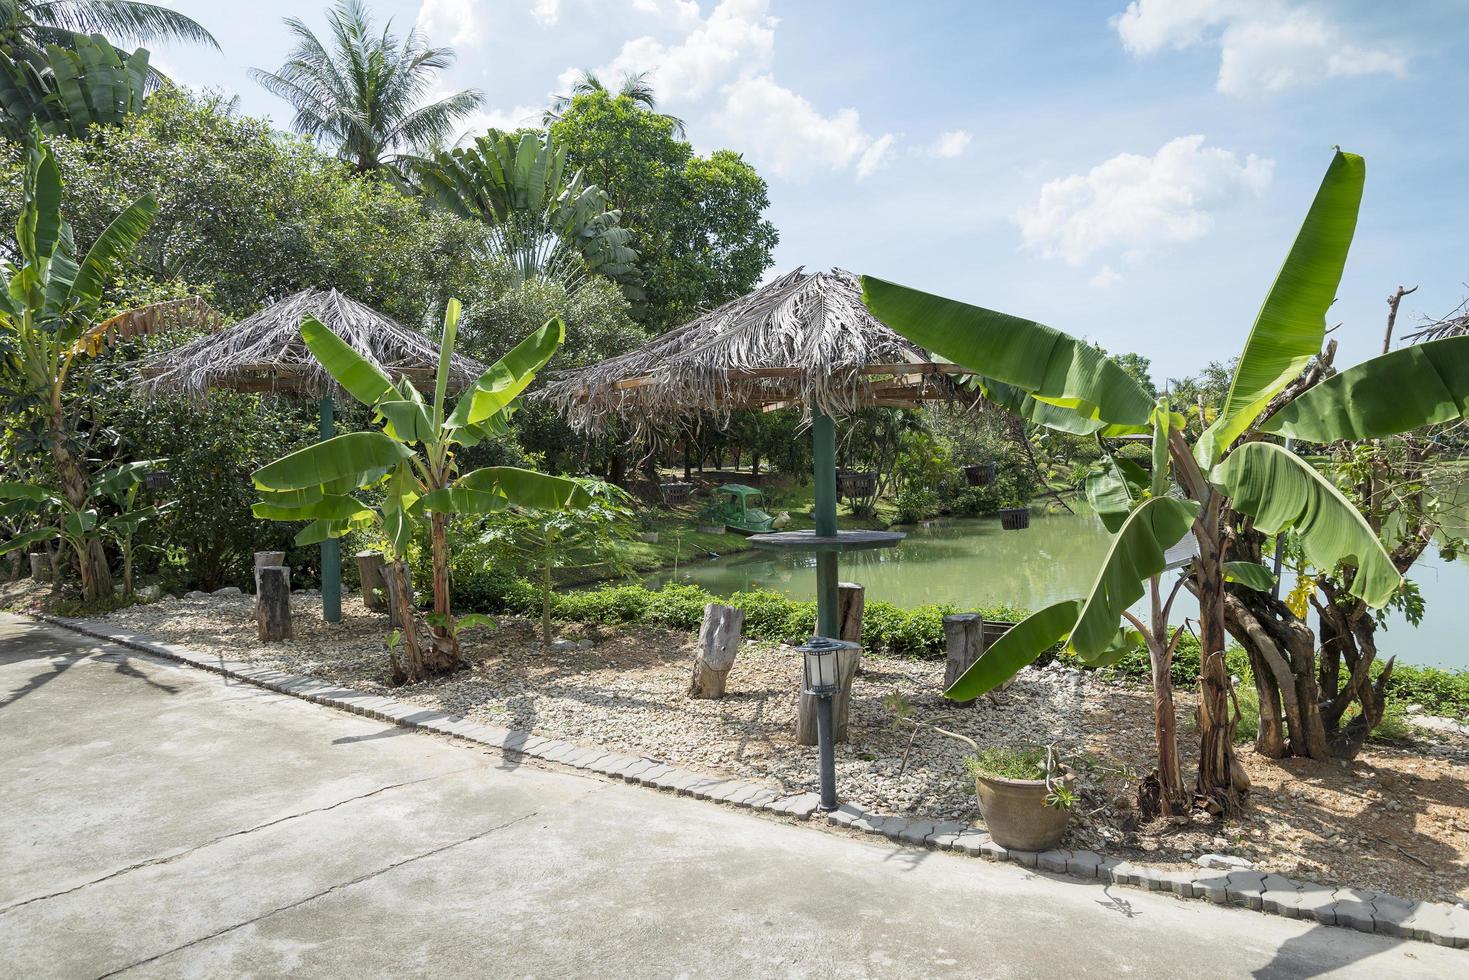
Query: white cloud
{"points": [[722, 64], [1264, 45], [449, 21], [788, 135], [1106, 277], [508, 120], [546, 12], [949, 145], [1135, 203]]}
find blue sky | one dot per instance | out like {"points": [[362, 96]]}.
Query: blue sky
{"points": [[1129, 172]]}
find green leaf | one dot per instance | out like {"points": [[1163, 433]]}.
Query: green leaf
{"points": [[446, 353], [1136, 555], [470, 620], [1111, 496], [78, 523], [121, 478], [1292, 322], [1017, 401], [1025, 641], [356, 455], [1396, 392], [508, 377], [29, 538], [111, 248], [407, 421], [1280, 490], [10, 490], [318, 531], [1250, 574], [527, 488], [358, 376], [459, 500], [1126, 641], [1162, 423], [398, 500], [1053, 367], [333, 507]]}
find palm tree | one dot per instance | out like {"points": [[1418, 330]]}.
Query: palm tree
{"points": [[635, 87], [366, 92], [31, 25]]}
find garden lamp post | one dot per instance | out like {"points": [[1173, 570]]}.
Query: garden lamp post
{"points": [[823, 682]]}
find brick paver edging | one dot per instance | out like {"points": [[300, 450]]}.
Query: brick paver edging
{"points": [[1366, 911]]}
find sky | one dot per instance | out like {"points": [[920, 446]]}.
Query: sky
{"points": [[1129, 172]]}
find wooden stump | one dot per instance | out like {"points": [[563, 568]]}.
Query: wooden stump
{"points": [[370, 571], [40, 567], [964, 634], [273, 602], [391, 599], [719, 641], [851, 602], [806, 710], [266, 559]]}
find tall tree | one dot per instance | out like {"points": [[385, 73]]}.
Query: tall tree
{"points": [[364, 91], [635, 88], [29, 26], [699, 221]]}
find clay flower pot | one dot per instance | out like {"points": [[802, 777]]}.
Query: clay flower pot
{"points": [[1016, 815]]}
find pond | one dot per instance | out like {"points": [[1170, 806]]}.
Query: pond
{"points": [[972, 562]]}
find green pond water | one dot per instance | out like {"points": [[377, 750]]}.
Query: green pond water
{"points": [[972, 562]]}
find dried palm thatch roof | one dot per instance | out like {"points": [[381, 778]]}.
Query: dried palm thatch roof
{"points": [[264, 352], [804, 340]]}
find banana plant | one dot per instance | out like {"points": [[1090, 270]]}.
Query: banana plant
{"points": [[411, 468], [1229, 466], [79, 527], [47, 316], [66, 90]]}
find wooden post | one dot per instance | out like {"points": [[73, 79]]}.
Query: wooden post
{"points": [[265, 559], [719, 641], [851, 601], [40, 567], [964, 634], [806, 709], [273, 602], [370, 571]]}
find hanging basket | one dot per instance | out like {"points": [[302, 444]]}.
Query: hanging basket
{"points": [[676, 494], [980, 474], [856, 483], [1015, 518]]}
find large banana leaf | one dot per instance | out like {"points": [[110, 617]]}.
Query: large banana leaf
{"points": [[356, 456], [1396, 392], [460, 500], [1025, 641], [1111, 496], [1019, 402], [400, 496], [1136, 555], [527, 488], [1292, 322], [29, 538], [1053, 367], [331, 507], [1249, 574], [10, 490], [1280, 490], [116, 243], [508, 377], [358, 376]]}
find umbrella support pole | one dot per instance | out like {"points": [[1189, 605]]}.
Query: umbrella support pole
{"points": [[823, 439], [331, 548]]}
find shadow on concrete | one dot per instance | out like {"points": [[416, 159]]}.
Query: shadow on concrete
{"points": [[385, 733], [1312, 954], [59, 666]]}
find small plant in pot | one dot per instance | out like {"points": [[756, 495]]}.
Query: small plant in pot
{"points": [[1014, 513], [1025, 794]]}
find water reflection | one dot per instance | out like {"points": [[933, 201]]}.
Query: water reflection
{"points": [[972, 562]]}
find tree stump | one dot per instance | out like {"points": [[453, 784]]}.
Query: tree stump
{"points": [[851, 602], [806, 711], [266, 559], [719, 641], [391, 599], [40, 567], [370, 571], [273, 602], [964, 634]]}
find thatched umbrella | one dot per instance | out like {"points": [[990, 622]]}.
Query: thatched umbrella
{"points": [[805, 340], [265, 353]]}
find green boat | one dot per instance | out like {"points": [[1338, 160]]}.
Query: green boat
{"points": [[738, 507]]}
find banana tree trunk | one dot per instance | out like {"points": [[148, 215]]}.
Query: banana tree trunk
{"points": [[1172, 799], [1215, 787], [95, 573], [446, 642]]}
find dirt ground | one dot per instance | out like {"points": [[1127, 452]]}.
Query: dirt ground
{"points": [[1396, 819]]}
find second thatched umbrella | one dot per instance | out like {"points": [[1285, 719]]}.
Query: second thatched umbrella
{"points": [[265, 353], [804, 340]]}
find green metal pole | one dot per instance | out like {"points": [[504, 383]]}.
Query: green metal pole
{"points": [[331, 549], [824, 444]]}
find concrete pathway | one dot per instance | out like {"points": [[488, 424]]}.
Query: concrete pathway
{"points": [[161, 821]]}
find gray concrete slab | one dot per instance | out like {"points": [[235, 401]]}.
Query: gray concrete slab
{"points": [[161, 821]]}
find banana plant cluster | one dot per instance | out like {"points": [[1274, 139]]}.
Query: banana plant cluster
{"points": [[48, 311], [406, 474], [64, 90], [1055, 380], [544, 222], [56, 519]]}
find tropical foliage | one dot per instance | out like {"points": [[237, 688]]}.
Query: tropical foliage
{"points": [[365, 92], [1190, 485], [67, 90], [411, 467]]}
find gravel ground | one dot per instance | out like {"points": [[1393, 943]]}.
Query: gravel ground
{"points": [[1396, 819]]}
